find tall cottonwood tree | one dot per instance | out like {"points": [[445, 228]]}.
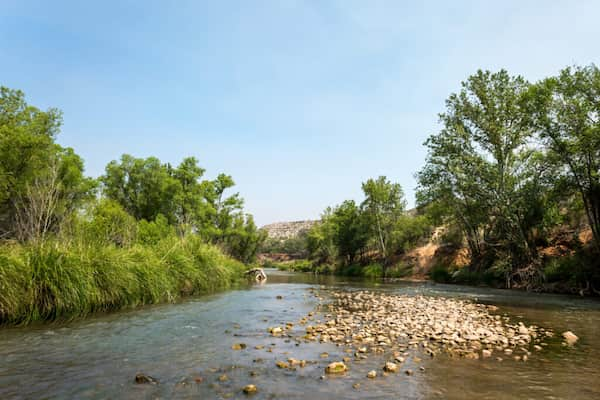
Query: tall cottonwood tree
{"points": [[483, 164], [383, 205], [566, 113]]}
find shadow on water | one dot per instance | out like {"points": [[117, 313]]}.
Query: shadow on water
{"points": [[187, 347]]}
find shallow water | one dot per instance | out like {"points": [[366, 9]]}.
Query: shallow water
{"points": [[178, 343]]}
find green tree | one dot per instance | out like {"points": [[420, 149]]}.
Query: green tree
{"points": [[566, 113], [191, 206], [108, 223], [40, 181], [384, 203], [485, 169], [320, 239], [144, 187], [222, 210], [244, 238], [350, 230], [408, 231]]}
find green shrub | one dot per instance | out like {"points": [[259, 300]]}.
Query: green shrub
{"points": [[350, 270], [303, 266], [440, 274], [374, 270], [400, 270], [150, 233], [325, 269], [107, 223], [466, 276], [562, 269]]}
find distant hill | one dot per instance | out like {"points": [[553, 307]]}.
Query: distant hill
{"points": [[287, 230]]}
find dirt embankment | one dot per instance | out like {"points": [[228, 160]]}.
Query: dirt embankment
{"points": [[563, 242], [423, 258]]}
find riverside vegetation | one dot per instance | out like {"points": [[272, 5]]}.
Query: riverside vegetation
{"points": [[514, 170], [144, 232], [512, 177]]}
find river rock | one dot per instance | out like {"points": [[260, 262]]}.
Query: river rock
{"points": [[238, 346], [390, 367], [372, 374], [570, 338], [143, 378], [276, 330], [336, 368], [250, 389], [523, 330]]}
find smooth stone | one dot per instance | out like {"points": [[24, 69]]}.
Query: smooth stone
{"points": [[336, 368], [390, 367], [570, 338], [143, 378], [249, 389]]}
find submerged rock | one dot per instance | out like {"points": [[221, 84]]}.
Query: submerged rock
{"points": [[250, 389], [372, 374], [141, 378], [336, 368]]}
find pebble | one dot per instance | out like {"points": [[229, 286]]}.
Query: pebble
{"points": [[143, 378], [250, 389], [390, 367], [336, 368], [387, 322]]}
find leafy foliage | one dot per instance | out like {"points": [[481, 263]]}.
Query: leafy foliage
{"points": [[507, 160], [161, 197], [352, 235], [566, 112], [41, 183]]}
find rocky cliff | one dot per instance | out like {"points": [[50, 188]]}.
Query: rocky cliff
{"points": [[287, 230]]}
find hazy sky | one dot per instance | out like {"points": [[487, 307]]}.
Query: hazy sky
{"points": [[300, 101]]}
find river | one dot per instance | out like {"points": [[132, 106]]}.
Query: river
{"points": [[187, 347]]}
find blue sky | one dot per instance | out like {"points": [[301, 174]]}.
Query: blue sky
{"points": [[300, 101]]}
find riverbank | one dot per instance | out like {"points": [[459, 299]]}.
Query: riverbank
{"points": [[561, 269], [57, 280]]}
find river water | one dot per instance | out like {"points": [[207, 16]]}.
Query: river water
{"points": [[187, 348]]}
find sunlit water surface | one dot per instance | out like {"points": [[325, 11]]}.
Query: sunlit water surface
{"points": [[179, 344]]}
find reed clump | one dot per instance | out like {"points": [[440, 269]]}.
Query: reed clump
{"points": [[58, 279]]}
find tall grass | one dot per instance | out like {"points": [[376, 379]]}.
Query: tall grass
{"points": [[63, 280]]}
